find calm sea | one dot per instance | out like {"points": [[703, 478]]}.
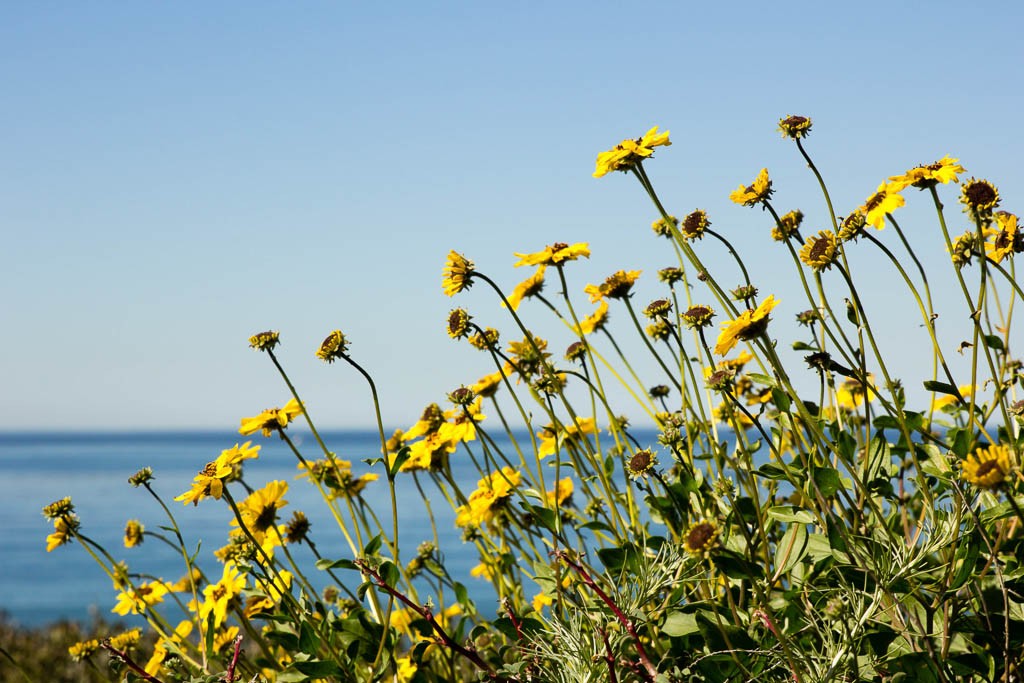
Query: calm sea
{"points": [[37, 587]]}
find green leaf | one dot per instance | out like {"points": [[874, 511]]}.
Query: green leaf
{"points": [[967, 551], [324, 565], [759, 378], [373, 545], [803, 346], [400, 458], [318, 669], [781, 399], [791, 549], [307, 638], [390, 573], [790, 513], [993, 342], [827, 480], [771, 470], [678, 624], [941, 387]]}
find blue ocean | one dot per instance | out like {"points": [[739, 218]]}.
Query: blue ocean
{"points": [[37, 587]]}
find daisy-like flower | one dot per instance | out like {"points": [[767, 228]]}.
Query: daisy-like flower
{"points": [[964, 248], [218, 597], [659, 331], [126, 640], [457, 274], [133, 533], [1007, 240], [852, 227], [701, 538], [641, 463], [529, 287], [659, 308], [787, 226], [484, 340], [489, 499], [748, 325], [487, 385], [561, 495], [794, 127], [595, 321], [695, 224], [987, 468], [615, 286], [945, 170], [210, 480], [820, 251], [755, 193], [979, 198], [136, 600], [264, 341], [662, 228], [629, 153], [334, 346], [576, 352], [297, 528], [84, 649], [63, 531], [271, 420], [671, 275], [574, 434], [698, 316], [885, 200], [142, 477], [553, 254], [458, 323], [259, 509], [947, 401], [59, 508], [851, 394]]}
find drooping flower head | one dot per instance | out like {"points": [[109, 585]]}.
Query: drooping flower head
{"points": [[457, 274], [485, 339], [1007, 240], [529, 287], [629, 153], [133, 531], [755, 193], [979, 198], [595, 321], [458, 323], [615, 286], [659, 308], [795, 127], [641, 463], [671, 275], [333, 347], [662, 228], [553, 254], [698, 316], [987, 468], [852, 226], [788, 225], [748, 325], [820, 251]]}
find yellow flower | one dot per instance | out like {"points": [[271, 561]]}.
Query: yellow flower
{"points": [[429, 453], [405, 669], [641, 463], [755, 193], [698, 316], [663, 228], [1007, 240], [572, 433], [695, 224], [540, 601], [553, 254], [457, 274], [461, 422], [788, 225], [59, 508], [820, 251], [219, 596], [271, 420], [136, 600], [795, 127], [482, 571], [748, 325], [208, 483], [595, 321], [458, 323], [63, 530], [485, 339], [488, 499], [127, 639], [333, 347], [265, 341], [133, 533], [851, 394], [885, 200], [84, 649], [945, 401], [224, 638], [230, 457], [943, 171], [487, 385], [618, 284], [259, 510], [561, 494], [164, 646], [271, 596], [628, 153], [701, 538], [529, 287], [430, 420], [987, 468]]}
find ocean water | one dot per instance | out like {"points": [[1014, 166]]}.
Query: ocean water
{"points": [[37, 587]]}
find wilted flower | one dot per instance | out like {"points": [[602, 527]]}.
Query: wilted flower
{"points": [[485, 339], [695, 224], [663, 228], [142, 477], [458, 323], [659, 331], [264, 341], [659, 308], [787, 226], [852, 226], [698, 316], [576, 351], [670, 275]]}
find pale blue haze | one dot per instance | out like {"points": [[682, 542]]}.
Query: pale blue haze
{"points": [[178, 176]]}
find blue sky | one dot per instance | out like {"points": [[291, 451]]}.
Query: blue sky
{"points": [[178, 176]]}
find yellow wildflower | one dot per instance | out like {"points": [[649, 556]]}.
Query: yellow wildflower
{"points": [[457, 274], [795, 127], [979, 198], [487, 385], [851, 394], [820, 251], [562, 493], [701, 538], [136, 600], [755, 193], [987, 468], [271, 420], [259, 510], [595, 321], [63, 530], [218, 597], [333, 347], [529, 287], [1007, 240], [133, 533], [554, 254], [628, 153], [885, 200], [944, 171], [748, 325], [946, 401]]}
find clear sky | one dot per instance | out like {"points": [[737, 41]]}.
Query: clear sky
{"points": [[178, 176]]}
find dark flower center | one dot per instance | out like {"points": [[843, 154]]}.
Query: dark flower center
{"points": [[979, 194], [700, 535]]}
